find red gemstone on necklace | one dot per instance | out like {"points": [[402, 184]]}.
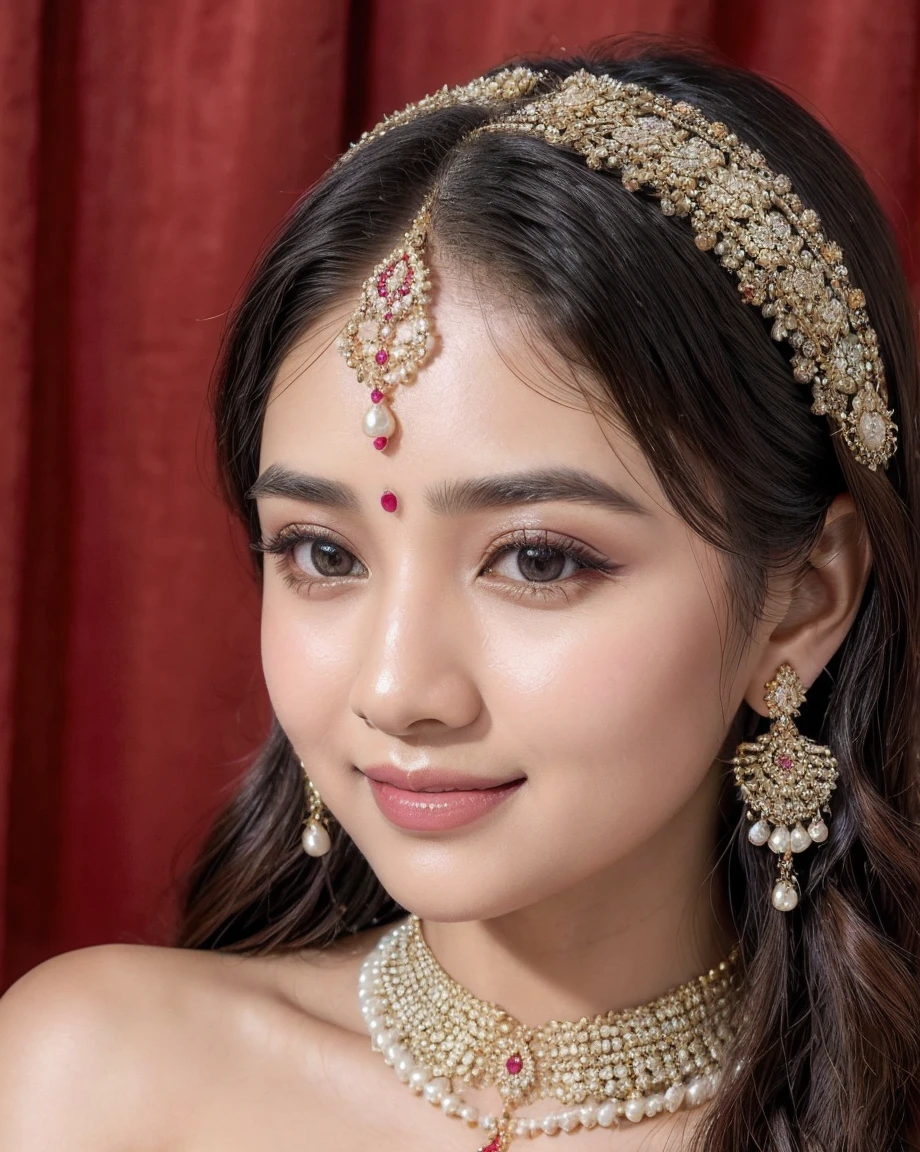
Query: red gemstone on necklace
{"points": [[380, 442], [494, 1145], [514, 1064], [382, 356], [388, 502], [376, 396]]}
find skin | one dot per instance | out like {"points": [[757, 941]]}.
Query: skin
{"points": [[593, 887]]}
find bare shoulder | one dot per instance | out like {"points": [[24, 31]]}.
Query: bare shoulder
{"points": [[119, 1045], [81, 1041]]}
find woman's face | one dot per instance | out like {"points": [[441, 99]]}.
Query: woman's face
{"points": [[569, 639]]}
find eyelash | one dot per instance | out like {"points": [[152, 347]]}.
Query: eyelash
{"points": [[282, 544]]}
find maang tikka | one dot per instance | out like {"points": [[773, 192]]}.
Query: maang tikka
{"points": [[388, 336], [786, 780]]}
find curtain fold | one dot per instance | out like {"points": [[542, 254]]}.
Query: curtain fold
{"points": [[146, 152]]}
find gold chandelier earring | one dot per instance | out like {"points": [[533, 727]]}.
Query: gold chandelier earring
{"points": [[786, 780], [315, 838]]}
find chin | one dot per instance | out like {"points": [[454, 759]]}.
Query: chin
{"points": [[449, 891]]}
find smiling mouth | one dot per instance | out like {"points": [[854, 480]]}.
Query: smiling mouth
{"points": [[441, 809]]}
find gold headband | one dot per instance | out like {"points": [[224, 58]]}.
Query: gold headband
{"points": [[737, 206]]}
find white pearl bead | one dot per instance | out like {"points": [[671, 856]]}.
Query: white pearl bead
{"points": [[785, 897], [379, 420], [674, 1097], [568, 1121], [759, 833], [635, 1110], [418, 1078], [435, 1089], [315, 839], [393, 1053], [607, 1114], [799, 839], [486, 1122], [521, 1128], [550, 1124], [384, 1039], [587, 1114], [468, 1112], [450, 1104], [779, 839], [404, 1067], [817, 830], [695, 1092], [654, 1104]]}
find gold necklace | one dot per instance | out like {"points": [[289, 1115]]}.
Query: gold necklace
{"points": [[618, 1065]]}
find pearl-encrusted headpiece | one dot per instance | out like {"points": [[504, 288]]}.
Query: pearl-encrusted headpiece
{"points": [[737, 206]]}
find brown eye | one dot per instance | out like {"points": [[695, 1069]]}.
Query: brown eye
{"points": [[540, 562], [323, 558]]}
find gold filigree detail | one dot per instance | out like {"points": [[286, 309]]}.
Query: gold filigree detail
{"points": [[737, 207]]}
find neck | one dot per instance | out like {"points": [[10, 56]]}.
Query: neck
{"points": [[652, 920]]}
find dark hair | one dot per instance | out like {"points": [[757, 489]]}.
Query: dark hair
{"points": [[830, 1056]]}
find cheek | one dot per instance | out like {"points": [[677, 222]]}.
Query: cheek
{"points": [[307, 661], [627, 700]]}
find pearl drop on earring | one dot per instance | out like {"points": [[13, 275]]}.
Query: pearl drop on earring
{"points": [[315, 838]]}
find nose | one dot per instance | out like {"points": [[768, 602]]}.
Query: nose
{"points": [[416, 663]]}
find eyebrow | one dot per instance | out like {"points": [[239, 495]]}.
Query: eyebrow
{"points": [[571, 485], [460, 497], [277, 480]]}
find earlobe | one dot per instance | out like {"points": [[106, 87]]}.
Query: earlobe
{"points": [[822, 602]]}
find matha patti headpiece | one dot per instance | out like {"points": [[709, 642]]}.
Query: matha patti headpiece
{"points": [[737, 206]]}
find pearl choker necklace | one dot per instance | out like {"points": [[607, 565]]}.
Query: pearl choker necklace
{"points": [[619, 1065]]}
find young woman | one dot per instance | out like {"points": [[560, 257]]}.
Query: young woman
{"points": [[573, 416]]}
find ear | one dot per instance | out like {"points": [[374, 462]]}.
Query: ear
{"points": [[818, 605]]}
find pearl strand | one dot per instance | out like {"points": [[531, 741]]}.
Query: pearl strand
{"points": [[438, 1091]]}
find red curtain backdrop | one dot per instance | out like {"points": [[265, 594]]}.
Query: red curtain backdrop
{"points": [[146, 151]]}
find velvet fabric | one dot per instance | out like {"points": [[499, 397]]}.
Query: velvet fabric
{"points": [[146, 152]]}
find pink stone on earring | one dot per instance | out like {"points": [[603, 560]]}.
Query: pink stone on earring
{"points": [[388, 502], [380, 442]]}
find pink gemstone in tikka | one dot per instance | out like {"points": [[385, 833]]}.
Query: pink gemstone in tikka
{"points": [[380, 442], [388, 502], [382, 356], [785, 762], [376, 396], [388, 315], [514, 1064]]}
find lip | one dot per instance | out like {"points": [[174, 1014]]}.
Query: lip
{"points": [[463, 800]]}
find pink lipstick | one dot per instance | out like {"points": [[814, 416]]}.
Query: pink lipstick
{"points": [[434, 801]]}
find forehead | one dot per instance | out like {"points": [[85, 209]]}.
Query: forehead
{"points": [[491, 396]]}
